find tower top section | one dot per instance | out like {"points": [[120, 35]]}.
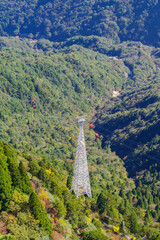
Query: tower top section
{"points": [[81, 119]]}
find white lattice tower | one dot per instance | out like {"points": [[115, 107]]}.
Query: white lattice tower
{"points": [[80, 181]]}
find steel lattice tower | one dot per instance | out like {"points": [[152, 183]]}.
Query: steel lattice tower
{"points": [[80, 181]]}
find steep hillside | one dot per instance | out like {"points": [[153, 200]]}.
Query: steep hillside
{"points": [[63, 81], [131, 122], [35, 201], [63, 84], [60, 60], [57, 20], [37, 204]]}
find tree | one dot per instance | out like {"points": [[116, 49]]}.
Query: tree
{"points": [[69, 181], [9, 151], [139, 183], [113, 213], [140, 202], [121, 193], [25, 184], [102, 202], [19, 201], [145, 203], [34, 167], [147, 217], [56, 189], [44, 176], [121, 207], [39, 213], [94, 235], [61, 210], [5, 183], [73, 208], [134, 227], [14, 171], [5, 188]]}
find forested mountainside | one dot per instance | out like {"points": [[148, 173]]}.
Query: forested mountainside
{"points": [[131, 123], [60, 60], [57, 20], [66, 80], [35, 202], [38, 204]]}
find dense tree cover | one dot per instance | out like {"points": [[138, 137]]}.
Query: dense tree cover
{"points": [[39, 212], [5, 183], [86, 78], [58, 20], [25, 210], [65, 82], [132, 124]]}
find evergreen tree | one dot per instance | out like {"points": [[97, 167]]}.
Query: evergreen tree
{"points": [[150, 200], [140, 202], [134, 191], [129, 197], [44, 176], [14, 171], [156, 200], [121, 193], [133, 223], [73, 208], [154, 191], [102, 202], [121, 208], [25, 184], [56, 189], [69, 181], [61, 210], [154, 214], [157, 208], [147, 217], [145, 203], [9, 151], [5, 183], [113, 213], [94, 235], [39, 213], [139, 184], [34, 167]]}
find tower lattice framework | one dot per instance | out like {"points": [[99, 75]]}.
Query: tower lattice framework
{"points": [[80, 181]]}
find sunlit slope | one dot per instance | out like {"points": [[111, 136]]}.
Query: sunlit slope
{"points": [[63, 84]]}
